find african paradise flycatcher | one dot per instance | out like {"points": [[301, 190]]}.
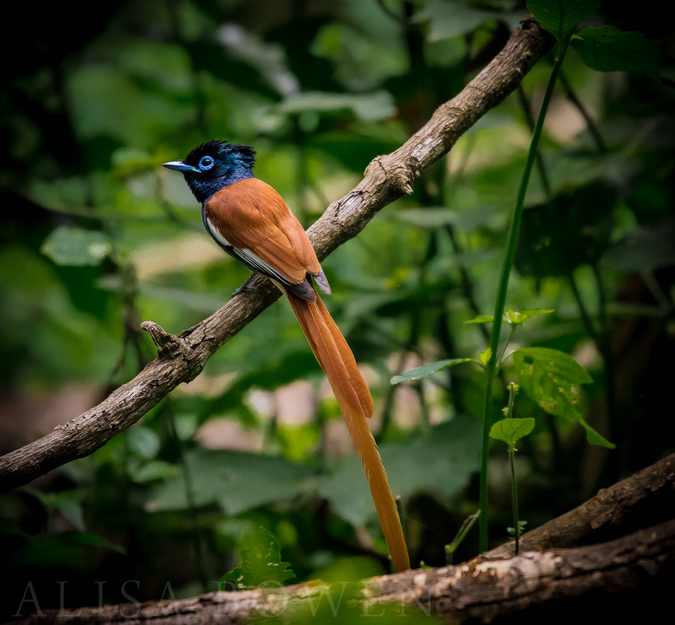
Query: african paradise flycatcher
{"points": [[251, 222]]}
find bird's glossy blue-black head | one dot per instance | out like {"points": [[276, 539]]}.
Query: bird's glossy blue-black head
{"points": [[214, 165]]}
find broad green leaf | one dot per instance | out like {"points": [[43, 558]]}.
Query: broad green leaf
{"points": [[644, 249], [154, 470], [516, 317], [238, 481], [481, 319], [522, 526], [360, 58], [428, 217], [451, 19], [367, 107], [510, 431], [103, 94], [72, 549], [560, 17], [76, 246], [425, 371], [143, 442], [439, 463], [571, 230], [484, 356], [64, 195], [268, 59], [594, 437], [131, 161], [608, 49], [433, 217], [554, 362], [260, 561], [550, 378], [68, 503], [462, 532]]}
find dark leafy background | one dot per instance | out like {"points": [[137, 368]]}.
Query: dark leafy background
{"points": [[247, 469]]}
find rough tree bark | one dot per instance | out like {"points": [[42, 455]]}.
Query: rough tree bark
{"points": [[639, 500], [181, 358], [479, 592]]}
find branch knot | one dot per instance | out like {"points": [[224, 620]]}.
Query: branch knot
{"points": [[168, 345], [397, 176]]}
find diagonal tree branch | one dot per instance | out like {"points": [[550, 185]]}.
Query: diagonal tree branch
{"points": [[181, 358], [642, 499], [532, 587]]}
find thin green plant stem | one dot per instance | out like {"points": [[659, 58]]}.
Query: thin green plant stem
{"points": [[513, 391], [529, 118], [509, 256], [197, 543], [463, 530], [593, 129], [605, 347], [514, 498], [583, 311]]}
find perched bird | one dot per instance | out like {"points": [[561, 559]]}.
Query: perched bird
{"points": [[251, 221]]}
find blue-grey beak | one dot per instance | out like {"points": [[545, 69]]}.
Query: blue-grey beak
{"points": [[181, 166]]}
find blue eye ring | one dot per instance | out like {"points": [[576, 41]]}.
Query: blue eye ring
{"points": [[206, 163]]}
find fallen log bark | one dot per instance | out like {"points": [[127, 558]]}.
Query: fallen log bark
{"points": [[639, 500], [524, 587]]}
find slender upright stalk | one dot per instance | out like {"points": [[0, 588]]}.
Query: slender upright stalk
{"points": [[188, 483], [605, 346], [583, 111], [509, 256], [529, 118], [514, 498], [583, 311]]}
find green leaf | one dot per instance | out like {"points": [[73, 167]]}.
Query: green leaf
{"points": [[522, 525], [571, 230], [555, 363], [76, 246], [238, 481], [425, 371], [560, 17], [462, 532], [516, 317], [439, 463], [143, 442], [154, 470], [451, 19], [484, 356], [644, 249], [550, 378], [481, 319], [367, 107], [259, 562], [594, 437], [510, 431], [72, 549], [608, 49], [427, 217], [68, 503]]}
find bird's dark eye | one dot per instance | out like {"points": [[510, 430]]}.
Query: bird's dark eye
{"points": [[206, 163]]}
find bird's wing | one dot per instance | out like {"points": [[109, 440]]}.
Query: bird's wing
{"points": [[251, 218]]}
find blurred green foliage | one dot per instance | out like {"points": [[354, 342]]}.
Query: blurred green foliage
{"points": [[98, 237]]}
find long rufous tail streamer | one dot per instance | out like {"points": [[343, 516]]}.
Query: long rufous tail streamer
{"points": [[352, 393]]}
